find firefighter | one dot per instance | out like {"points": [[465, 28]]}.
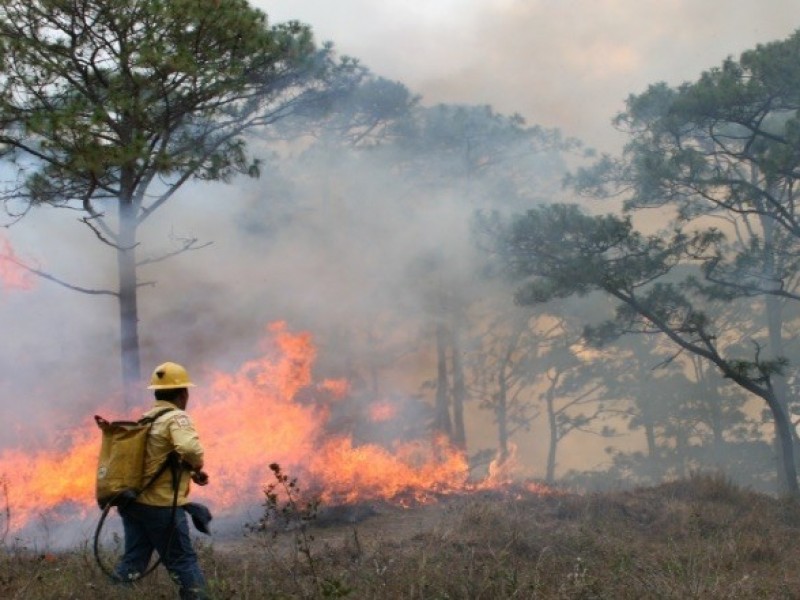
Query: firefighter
{"points": [[156, 519]]}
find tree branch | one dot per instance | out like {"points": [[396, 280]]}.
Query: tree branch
{"points": [[61, 282], [189, 245]]}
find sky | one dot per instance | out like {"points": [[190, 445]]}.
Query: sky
{"points": [[559, 63]]}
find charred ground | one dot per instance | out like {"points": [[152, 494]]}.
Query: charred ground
{"points": [[696, 538]]}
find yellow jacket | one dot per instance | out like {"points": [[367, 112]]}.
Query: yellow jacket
{"points": [[171, 431]]}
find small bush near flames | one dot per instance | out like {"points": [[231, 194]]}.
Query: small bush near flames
{"points": [[696, 538]]}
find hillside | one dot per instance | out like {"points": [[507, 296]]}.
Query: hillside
{"points": [[699, 538]]}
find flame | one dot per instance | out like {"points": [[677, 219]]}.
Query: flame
{"points": [[337, 387], [36, 482], [268, 411], [382, 411], [502, 470], [254, 417], [12, 275]]}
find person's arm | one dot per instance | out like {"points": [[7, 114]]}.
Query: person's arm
{"points": [[186, 441]]}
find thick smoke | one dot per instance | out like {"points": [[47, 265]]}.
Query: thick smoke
{"points": [[565, 63]]}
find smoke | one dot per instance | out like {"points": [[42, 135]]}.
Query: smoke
{"points": [[566, 63]]}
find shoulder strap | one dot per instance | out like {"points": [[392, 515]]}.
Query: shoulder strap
{"points": [[170, 462], [151, 419], [171, 459]]}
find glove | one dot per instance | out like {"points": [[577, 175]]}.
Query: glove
{"points": [[200, 477], [201, 516]]}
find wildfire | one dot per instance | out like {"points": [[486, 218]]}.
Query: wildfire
{"points": [[12, 275], [382, 411], [254, 417], [502, 471], [268, 411]]}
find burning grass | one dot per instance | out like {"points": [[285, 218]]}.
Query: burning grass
{"points": [[698, 538], [269, 409]]}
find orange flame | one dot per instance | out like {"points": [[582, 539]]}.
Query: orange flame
{"points": [[12, 275], [254, 418], [269, 411], [382, 411], [502, 470]]}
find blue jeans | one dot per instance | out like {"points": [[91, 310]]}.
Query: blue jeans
{"points": [[149, 528]]}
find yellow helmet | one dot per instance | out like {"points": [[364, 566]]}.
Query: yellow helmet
{"points": [[169, 376]]}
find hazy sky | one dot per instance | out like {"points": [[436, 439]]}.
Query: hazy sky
{"points": [[560, 63]]}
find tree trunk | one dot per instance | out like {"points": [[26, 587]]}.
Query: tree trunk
{"points": [[774, 327], [654, 460], [552, 446], [713, 401], [459, 390], [501, 407], [442, 422], [681, 451], [774, 316], [128, 308], [783, 430], [501, 414]]}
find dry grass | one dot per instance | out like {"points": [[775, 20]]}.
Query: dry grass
{"points": [[700, 538]]}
